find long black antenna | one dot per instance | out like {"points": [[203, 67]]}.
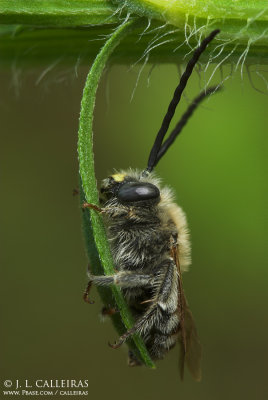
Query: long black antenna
{"points": [[184, 119], [176, 99]]}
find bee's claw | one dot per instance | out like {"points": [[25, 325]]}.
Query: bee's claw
{"points": [[86, 294], [87, 300], [108, 311], [115, 345]]}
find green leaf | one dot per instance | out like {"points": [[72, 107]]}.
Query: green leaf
{"points": [[95, 233]]}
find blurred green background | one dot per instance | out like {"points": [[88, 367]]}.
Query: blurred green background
{"points": [[218, 168]]}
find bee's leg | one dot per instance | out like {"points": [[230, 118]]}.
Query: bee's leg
{"points": [[132, 360], [86, 293], [93, 206], [108, 311], [123, 279], [105, 210], [162, 311]]}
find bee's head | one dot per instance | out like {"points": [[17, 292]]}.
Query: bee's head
{"points": [[127, 189]]}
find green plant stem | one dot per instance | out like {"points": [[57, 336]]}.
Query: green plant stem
{"points": [[42, 31], [57, 13], [87, 173]]}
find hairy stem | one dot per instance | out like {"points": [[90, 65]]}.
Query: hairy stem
{"points": [[40, 31]]}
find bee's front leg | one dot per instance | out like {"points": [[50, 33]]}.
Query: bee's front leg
{"points": [[112, 211], [93, 206]]}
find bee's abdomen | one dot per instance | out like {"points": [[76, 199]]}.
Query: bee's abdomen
{"points": [[163, 333]]}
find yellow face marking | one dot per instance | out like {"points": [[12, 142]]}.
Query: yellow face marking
{"points": [[118, 177]]}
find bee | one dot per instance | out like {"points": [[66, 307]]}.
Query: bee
{"points": [[150, 245]]}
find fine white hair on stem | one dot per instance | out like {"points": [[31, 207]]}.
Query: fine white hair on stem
{"points": [[121, 8], [186, 25], [251, 81], [150, 74], [198, 70], [263, 78], [108, 36], [145, 30], [100, 37], [243, 57], [185, 28], [77, 65], [251, 20], [179, 46], [193, 32], [156, 39], [47, 70], [117, 11], [138, 77], [16, 74], [221, 73], [159, 44], [157, 34], [125, 19], [149, 49], [219, 64], [212, 58], [223, 79], [122, 20], [195, 29]]}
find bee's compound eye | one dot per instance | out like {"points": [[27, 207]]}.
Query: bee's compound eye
{"points": [[137, 191]]}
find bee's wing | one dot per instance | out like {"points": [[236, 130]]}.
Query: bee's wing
{"points": [[191, 355], [191, 351]]}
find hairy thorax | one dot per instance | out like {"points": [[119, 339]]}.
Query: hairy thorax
{"points": [[140, 240]]}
